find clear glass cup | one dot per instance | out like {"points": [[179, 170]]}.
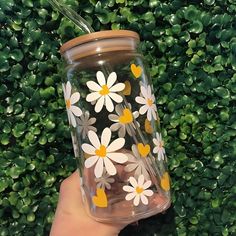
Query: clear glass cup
{"points": [[115, 127]]}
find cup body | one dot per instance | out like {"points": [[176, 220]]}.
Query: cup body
{"points": [[115, 128]]}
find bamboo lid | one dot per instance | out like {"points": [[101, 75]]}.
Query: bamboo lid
{"points": [[106, 34]]}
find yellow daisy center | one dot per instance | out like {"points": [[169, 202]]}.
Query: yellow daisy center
{"points": [[68, 104], [139, 190], [105, 90], [149, 102], [101, 152]]}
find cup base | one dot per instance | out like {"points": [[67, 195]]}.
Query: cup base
{"points": [[120, 211]]}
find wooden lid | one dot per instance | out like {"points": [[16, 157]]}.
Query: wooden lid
{"points": [[106, 34]]}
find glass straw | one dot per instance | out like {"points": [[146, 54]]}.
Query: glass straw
{"points": [[73, 16]]}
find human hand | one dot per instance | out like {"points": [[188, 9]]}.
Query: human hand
{"points": [[71, 218]]}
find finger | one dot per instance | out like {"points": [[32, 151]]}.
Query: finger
{"points": [[70, 198], [69, 207]]}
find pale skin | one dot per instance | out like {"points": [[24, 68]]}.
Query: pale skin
{"points": [[71, 218]]}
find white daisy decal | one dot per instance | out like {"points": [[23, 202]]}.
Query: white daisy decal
{"points": [[138, 191], [147, 100], [136, 164], [104, 181], [159, 146], [103, 153], [70, 99], [123, 120], [85, 124], [104, 91]]}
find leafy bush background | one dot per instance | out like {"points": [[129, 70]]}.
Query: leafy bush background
{"points": [[190, 47]]}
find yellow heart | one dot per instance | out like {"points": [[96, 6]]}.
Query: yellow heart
{"points": [[86, 155], [126, 117], [100, 200], [165, 182], [127, 90], [143, 150], [148, 127], [136, 70]]}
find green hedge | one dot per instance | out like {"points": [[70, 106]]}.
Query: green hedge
{"points": [[190, 46]]}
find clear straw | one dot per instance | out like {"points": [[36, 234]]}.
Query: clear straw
{"points": [[72, 15]]}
